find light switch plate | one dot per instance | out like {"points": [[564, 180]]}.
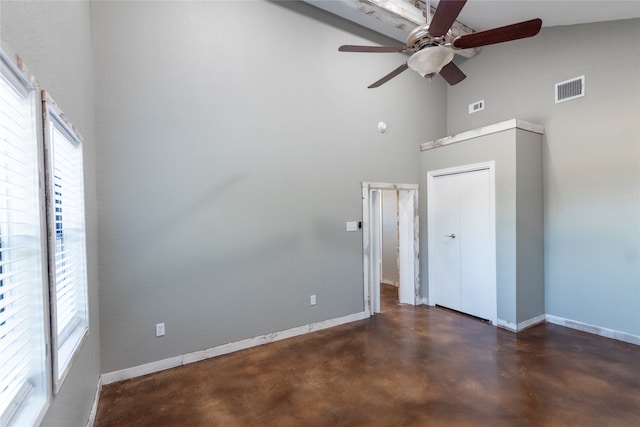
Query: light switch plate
{"points": [[159, 329], [352, 225]]}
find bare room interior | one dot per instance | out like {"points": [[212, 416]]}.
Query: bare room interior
{"points": [[269, 224]]}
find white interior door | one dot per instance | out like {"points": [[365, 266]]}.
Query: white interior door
{"points": [[477, 280], [462, 243], [445, 235]]}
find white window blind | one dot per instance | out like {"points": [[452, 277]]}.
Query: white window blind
{"points": [[67, 255], [23, 363]]}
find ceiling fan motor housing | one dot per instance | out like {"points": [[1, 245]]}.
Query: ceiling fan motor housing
{"points": [[419, 38]]}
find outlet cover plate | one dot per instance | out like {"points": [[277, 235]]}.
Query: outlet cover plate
{"points": [[159, 329]]}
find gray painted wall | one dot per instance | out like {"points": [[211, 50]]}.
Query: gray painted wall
{"points": [[591, 157], [529, 226], [234, 140], [389, 265], [54, 40]]}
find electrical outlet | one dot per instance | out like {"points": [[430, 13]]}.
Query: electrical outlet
{"points": [[159, 329], [312, 300]]}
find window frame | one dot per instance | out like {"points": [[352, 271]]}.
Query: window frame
{"points": [[63, 355], [30, 411]]}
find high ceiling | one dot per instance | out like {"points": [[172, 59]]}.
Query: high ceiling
{"points": [[484, 14], [395, 18]]}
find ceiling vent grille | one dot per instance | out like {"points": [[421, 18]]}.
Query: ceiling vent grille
{"points": [[570, 89]]}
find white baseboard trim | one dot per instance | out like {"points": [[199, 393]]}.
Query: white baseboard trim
{"points": [[593, 329], [94, 407], [573, 324], [522, 325], [172, 362]]}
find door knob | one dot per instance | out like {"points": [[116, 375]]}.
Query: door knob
{"points": [[452, 235]]}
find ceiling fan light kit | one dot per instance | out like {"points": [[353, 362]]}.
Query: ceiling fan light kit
{"points": [[434, 46], [428, 62]]}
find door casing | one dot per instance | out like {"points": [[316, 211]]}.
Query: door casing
{"points": [[409, 247]]}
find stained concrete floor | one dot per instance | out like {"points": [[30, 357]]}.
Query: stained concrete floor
{"points": [[409, 366]]}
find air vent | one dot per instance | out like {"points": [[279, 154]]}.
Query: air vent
{"points": [[476, 106], [570, 89]]}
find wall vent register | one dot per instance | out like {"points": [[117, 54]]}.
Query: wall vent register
{"points": [[570, 89], [476, 106]]}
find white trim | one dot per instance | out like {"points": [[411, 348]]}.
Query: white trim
{"points": [[367, 188], [491, 167], [61, 118], [64, 355], [572, 324], [507, 325], [15, 64], [94, 407], [19, 74], [522, 325], [485, 130], [366, 262], [172, 362], [593, 329], [388, 186]]}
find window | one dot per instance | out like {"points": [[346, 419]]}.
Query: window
{"points": [[67, 255], [25, 365], [23, 357]]}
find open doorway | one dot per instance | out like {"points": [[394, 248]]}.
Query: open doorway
{"points": [[407, 243], [389, 253]]}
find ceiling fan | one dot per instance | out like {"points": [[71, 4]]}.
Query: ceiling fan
{"points": [[434, 46]]}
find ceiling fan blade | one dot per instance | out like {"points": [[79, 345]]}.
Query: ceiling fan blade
{"points": [[452, 74], [507, 33], [389, 76], [373, 49], [446, 14]]}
